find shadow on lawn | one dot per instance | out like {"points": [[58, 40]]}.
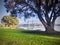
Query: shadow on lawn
{"points": [[39, 32]]}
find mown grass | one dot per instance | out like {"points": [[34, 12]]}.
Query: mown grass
{"points": [[18, 37]]}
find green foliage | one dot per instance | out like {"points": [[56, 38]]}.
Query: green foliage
{"points": [[17, 37], [9, 20]]}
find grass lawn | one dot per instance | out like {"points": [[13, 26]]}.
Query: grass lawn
{"points": [[18, 37]]}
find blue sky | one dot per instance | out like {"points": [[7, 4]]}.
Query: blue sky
{"points": [[2, 9]]}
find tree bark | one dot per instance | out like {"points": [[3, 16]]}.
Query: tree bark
{"points": [[50, 28]]}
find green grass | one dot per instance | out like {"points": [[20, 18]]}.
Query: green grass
{"points": [[18, 37]]}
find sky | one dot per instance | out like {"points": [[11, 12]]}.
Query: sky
{"points": [[2, 9]]}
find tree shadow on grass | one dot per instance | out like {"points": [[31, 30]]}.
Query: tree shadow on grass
{"points": [[38, 32]]}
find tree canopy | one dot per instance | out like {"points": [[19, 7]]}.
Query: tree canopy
{"points": [[9, 20]]}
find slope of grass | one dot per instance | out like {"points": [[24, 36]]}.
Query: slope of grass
{"points": [[17, 37]]}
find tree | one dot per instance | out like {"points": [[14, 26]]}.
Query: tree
{"points": [[9, 20], [46, 10]]}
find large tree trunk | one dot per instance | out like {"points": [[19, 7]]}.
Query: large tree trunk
{"points": [[50, 28]]}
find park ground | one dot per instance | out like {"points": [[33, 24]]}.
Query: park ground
{"points": [[21, 37]]}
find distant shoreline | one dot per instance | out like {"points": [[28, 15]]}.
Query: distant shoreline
{"points": [[35, 25]]}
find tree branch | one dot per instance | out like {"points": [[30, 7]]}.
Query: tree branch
{"points": [[31, 7]]}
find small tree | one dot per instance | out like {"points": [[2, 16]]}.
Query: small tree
{"points": [[46, 10], [9, 20]]}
